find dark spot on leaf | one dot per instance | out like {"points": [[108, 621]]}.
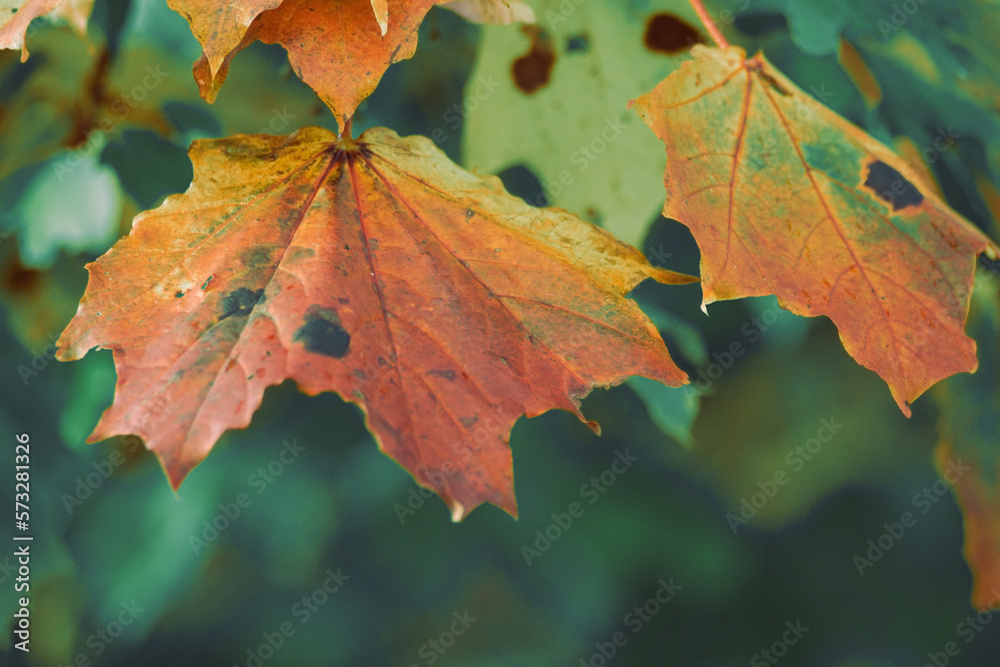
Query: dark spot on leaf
{"points": [[205, 286], [257, 256], [178, 294], [239, 302], [579, 42], [298, 253], [321, 333], [533, 70], [666, 33], [446, 374], [891, 186]]}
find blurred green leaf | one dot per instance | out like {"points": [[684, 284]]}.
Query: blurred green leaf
{"points": [[83, 218], [566, 119], [672, 409]]}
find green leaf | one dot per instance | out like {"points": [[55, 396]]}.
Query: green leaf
{"points": [[672, 409], [82, 218], [553, 98]]}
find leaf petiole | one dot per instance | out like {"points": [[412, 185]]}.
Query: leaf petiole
{"points": [[706, 20]]}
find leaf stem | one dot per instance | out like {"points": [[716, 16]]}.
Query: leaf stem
{"points": [[709, 24]]}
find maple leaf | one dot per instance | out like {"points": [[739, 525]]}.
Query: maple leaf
{"points": [[966, 455], [16, 16], [500, 12], [220, 25], [381, 9], [556, 100], [76, 13], [337, 48], [377, 269], [785, 197]]}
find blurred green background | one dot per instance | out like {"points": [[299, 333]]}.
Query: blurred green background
{"points": [[337, 557]]}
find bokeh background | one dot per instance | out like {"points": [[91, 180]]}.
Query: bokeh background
{"points": [[339, 549]]}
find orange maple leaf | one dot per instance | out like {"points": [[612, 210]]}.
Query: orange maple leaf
{"points": [[381, 9], [377, 269], [337, 48], [785, 197], [14, 22], [220, 25], [967, 455]]}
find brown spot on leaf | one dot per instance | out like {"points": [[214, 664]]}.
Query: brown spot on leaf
{"points": [[891, 186], [257, 256], [666, 33], [321, 333], [533, 70], [239, 302]]}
